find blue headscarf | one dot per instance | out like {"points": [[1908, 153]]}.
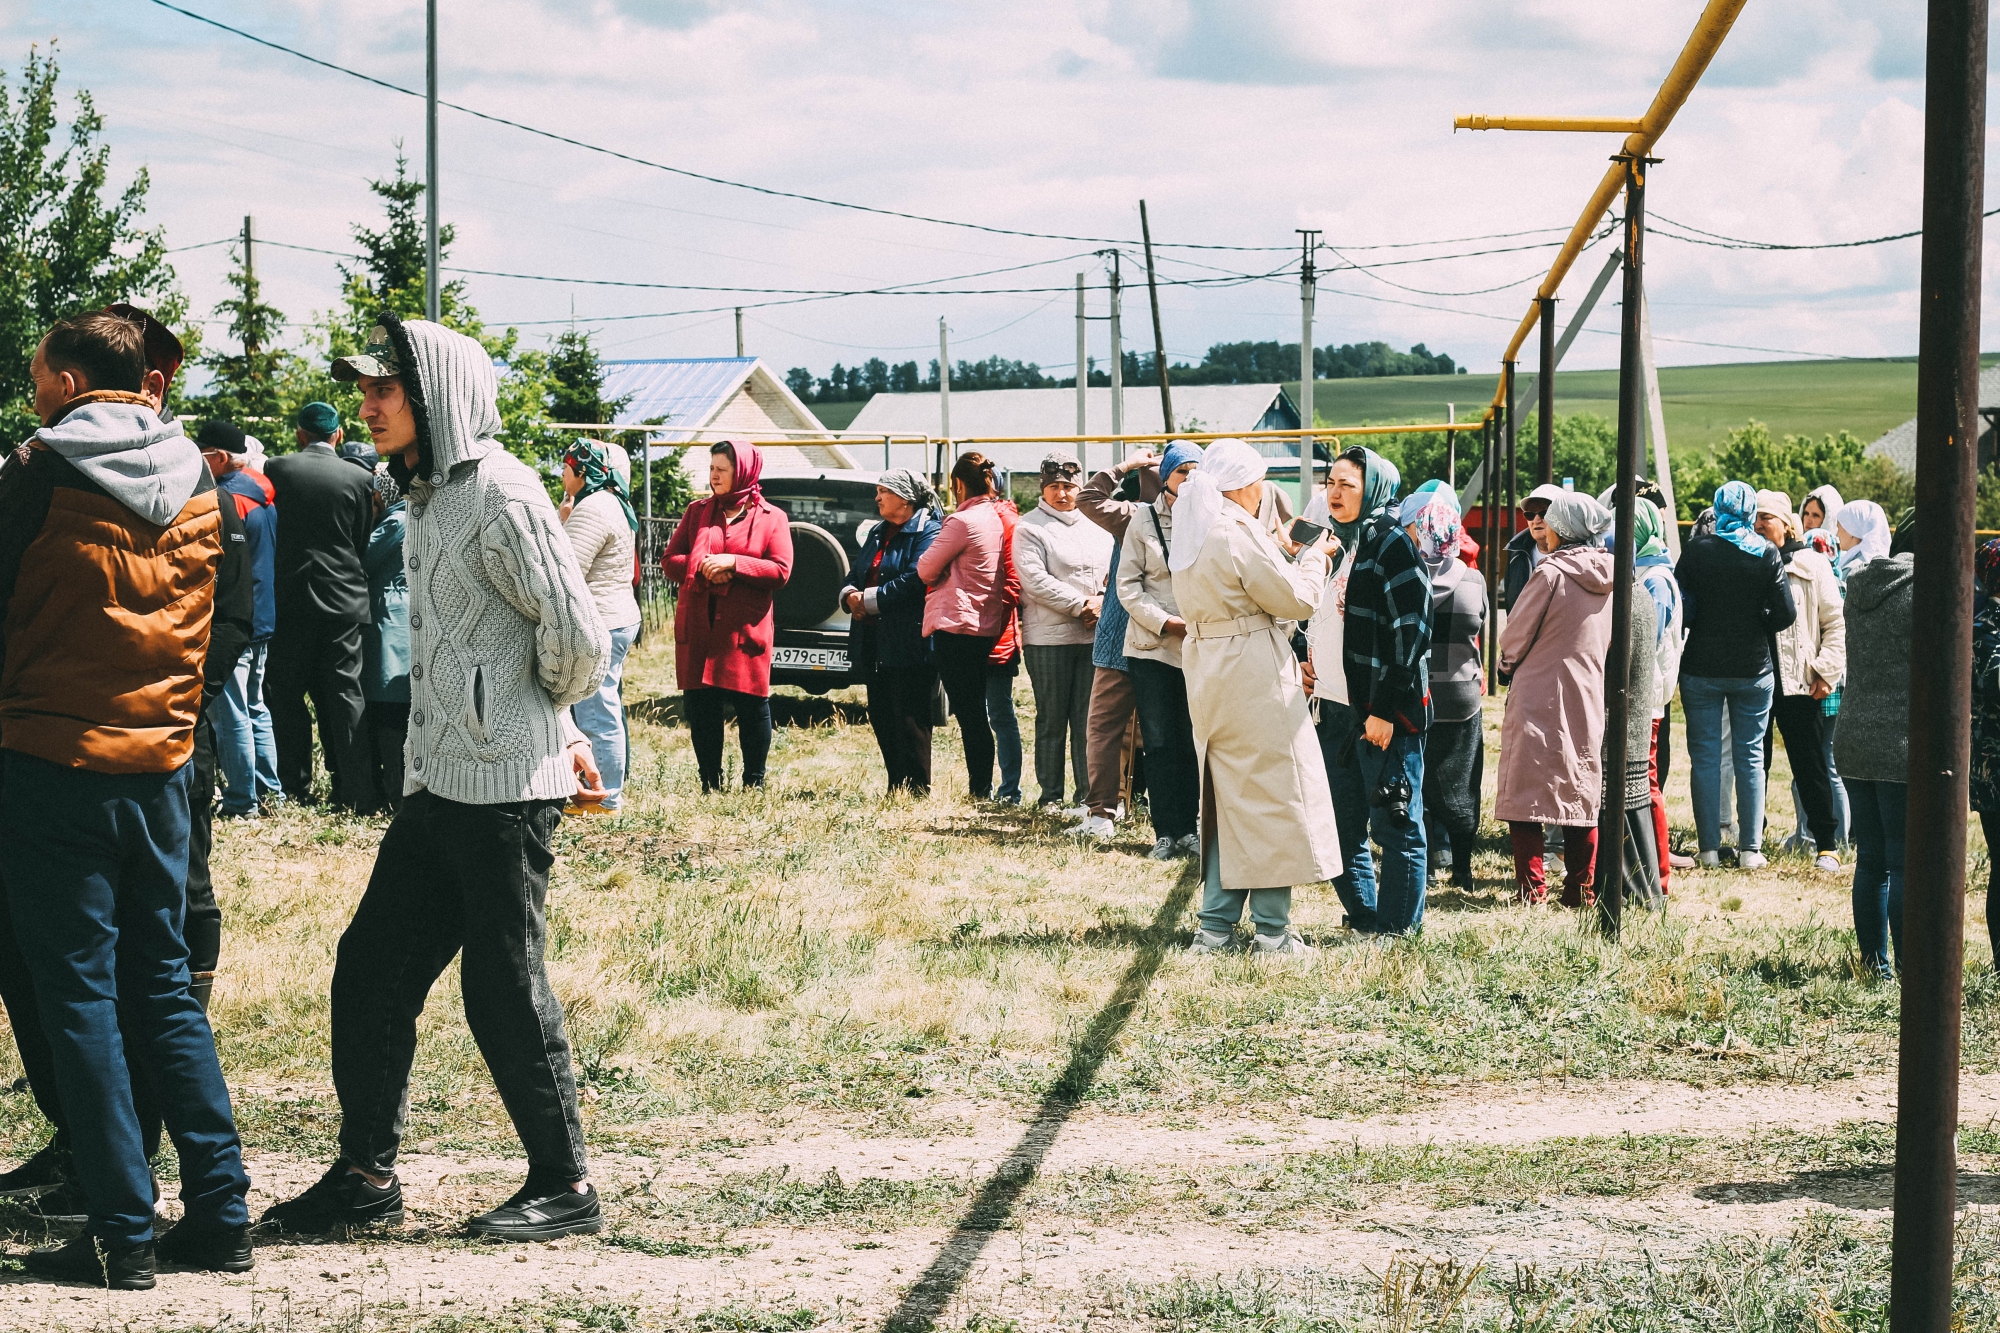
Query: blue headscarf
{"points": [[1379, 480], [1178, 455], [1735, 511]]}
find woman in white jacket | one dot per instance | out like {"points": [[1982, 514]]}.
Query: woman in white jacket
{"points": [[1812, 658]]}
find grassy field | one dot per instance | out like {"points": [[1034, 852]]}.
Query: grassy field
{"points": [[850, 1061]]}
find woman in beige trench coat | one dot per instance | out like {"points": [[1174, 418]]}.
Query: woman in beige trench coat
{"points": [[1266, 810]]}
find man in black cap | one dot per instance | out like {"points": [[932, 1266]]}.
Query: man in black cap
{"points": [[329, 510]]}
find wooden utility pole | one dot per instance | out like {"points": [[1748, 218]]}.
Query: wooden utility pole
{"points": [[1082, 362], [433, 292], [1159, 339], [739, 332], [1117, 368], [1933, 945], [250, 345], [1308, 291]]}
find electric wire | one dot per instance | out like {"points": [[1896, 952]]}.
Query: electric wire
{"points": [[1721, 242]]}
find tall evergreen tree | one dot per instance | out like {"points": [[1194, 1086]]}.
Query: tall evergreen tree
{"points": [[251, 387], [576, 381], [68, 240]]}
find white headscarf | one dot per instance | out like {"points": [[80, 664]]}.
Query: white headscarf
{"points": [[1577, 518], [1829, 500], [253, 450], [1226, 465], [1868, 525]]}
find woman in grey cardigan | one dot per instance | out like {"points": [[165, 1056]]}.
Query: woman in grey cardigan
{"points": [[1872, 747]]}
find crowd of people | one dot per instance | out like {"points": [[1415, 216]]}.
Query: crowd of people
{"points": [[168, 607], [1299, 699]]}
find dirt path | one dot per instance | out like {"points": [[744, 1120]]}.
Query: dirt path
{"points": [[1038, 1275]]}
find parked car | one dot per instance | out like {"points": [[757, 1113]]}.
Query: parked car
{"points": [[832, 511]]}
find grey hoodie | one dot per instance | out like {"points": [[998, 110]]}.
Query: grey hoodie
{"points": [[149, 466], [1872, 743], [504, 634]]}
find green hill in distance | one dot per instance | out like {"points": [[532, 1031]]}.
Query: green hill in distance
{"points": [[1702, 403]]}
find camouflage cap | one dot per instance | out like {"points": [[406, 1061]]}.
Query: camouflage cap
{"points": [[377, 359]]}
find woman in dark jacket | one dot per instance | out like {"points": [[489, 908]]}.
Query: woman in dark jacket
{"points": [[886, 648], [1986, 723], [1872, 749], [1736, 599]]}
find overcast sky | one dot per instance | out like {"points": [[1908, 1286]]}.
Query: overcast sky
{"points": [[1237, 121]]}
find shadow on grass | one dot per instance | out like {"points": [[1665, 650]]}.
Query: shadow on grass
{"points": [[787, 710], [1849, 1188], [997, 1199]]}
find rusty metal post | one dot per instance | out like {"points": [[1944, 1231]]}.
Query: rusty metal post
{"points": [[1933, 946], [1545, 424], [1610, 877]]}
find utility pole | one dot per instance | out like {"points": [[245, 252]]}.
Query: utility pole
{"points": [[1309, 242], [1545, 424], [432, 292], [1159, 338], [944, 380], [1933, 954], [1082, 362], [1117, 368], [250, 347], [739, 332], [1618, 653]]}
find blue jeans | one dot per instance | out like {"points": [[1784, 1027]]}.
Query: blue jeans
{"points": [[246, 748], [1703, 699], [1221, 909], [1401, 872], [1006, 735], [1340, 741], [96, 872], [602, 718], [1878, 811]]}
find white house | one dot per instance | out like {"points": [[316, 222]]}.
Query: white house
{"points": [[706, 399], [1038, 415]]}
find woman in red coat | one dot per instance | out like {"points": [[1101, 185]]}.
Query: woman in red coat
{"points": [[730, 555]]}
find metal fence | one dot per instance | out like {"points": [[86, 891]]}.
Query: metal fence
{"points": [[656, 595]]}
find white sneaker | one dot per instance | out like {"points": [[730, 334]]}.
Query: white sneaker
{"points": [[1119, 813], [1188, 844], [1829, 863], [1750, 861], [1708, 860], [1095, 826], [1163, 850], [1208, 941], [1286, 946]]}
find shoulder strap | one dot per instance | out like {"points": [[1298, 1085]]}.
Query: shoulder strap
{"points": [[1154, 510]]}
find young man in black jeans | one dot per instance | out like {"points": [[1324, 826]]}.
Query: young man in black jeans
{"points": [[504, 637]]}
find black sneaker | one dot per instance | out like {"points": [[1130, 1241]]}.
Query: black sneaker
{"points": [[46, 1169], [63, 1203], [541, 1212], [342, 1199], [87, 1260], [211, 1248]]}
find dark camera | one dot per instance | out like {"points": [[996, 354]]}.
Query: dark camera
{"points": [[1393, 795]]}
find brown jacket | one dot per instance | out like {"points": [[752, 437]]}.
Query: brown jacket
{"points": [[104, 619]]}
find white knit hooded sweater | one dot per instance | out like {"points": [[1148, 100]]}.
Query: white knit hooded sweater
{"points": [[504, 635]]}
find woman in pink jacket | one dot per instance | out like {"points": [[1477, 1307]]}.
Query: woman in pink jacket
{"points": [[973, 593], [730, 555]]}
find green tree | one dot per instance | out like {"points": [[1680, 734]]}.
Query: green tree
{"points": [[576, 381], [68, 240], [1794, 464], [251, 387]]}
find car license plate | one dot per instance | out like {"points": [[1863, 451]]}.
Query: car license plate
{"points": [[810, 659]]}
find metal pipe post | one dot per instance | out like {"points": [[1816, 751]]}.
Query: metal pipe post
{"points": [[944, 387], [1933, 952], [1513, 432], [432, 292], [1082, 361], [739, 331], [1490, 438], [1610, 877], [1451, 448], [1545, 422], [1308, 293], [1159, 338], [1117, 368]]}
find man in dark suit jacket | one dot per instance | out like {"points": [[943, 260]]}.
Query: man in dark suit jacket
{"points": [[326, 509]]}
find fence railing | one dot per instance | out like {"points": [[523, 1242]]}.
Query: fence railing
{"points": [[656, 595]]}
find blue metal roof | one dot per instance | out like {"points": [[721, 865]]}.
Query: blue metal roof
{"points": [[684, 390]]}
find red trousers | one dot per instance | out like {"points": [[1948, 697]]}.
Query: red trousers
{"points": [[1579, 864]]}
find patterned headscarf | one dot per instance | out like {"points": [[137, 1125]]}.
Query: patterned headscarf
{"points": [[749, 465], [910, 486], [1735, 513], [588, 460], [386, 487], [1577, 518], [1433, 520], [1986, 569], [1379, 480]]}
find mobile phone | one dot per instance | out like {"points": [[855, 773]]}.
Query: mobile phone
{"points": [[1305, 532]]}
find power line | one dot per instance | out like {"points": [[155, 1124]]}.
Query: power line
{"points": [[1721, 242]]}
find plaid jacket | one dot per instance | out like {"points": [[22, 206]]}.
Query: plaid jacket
{"points": [[1387, 640]]}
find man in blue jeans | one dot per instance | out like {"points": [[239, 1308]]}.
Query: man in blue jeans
{"points": [[103, 647], [1373, 719], [245, 744]]}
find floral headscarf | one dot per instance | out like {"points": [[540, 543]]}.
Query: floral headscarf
{"points": [[1986, 569], [1576, 518], [588, 459], [1735, 517], [1434, 523], [911, 487]]}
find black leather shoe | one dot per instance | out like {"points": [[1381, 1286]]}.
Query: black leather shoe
{"points": [[90, 1261], [541, 1212], [340, 1201], [211, 1248], [48, 1168]]}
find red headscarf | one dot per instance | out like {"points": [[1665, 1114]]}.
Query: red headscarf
{"points": [[749, 467]]}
